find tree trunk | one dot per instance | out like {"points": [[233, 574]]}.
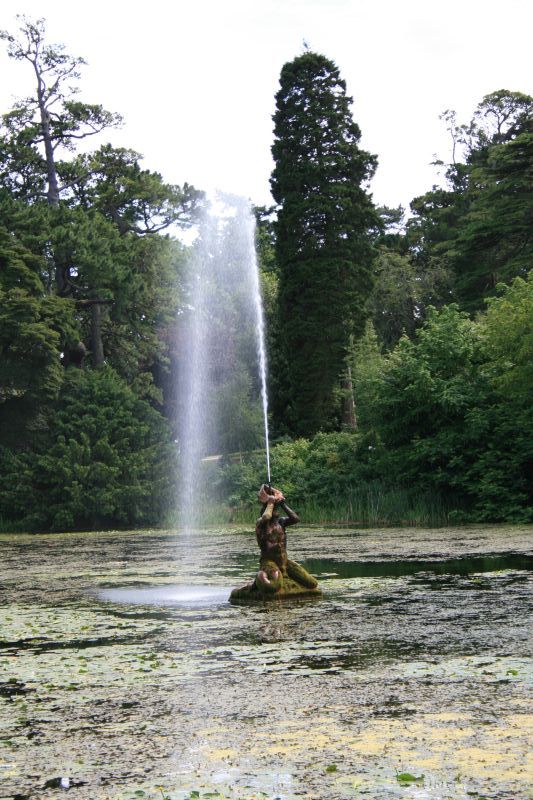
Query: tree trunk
{"points": [[97, 346], [53, 185], [349, 417]]}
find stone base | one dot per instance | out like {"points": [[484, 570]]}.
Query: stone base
{"points": [[289, 590]]}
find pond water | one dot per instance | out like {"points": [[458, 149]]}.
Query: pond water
{"points": [[125, 673]]}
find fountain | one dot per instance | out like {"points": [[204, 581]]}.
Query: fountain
{"points": [[223, 382]]}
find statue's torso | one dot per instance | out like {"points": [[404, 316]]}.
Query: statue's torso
{"points": [[272, 541]]}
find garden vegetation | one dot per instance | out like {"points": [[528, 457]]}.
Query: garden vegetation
{"points": [[400, 344]]}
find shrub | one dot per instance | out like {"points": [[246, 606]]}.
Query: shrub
{"points": [[107, 461]]}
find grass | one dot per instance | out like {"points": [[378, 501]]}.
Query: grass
{"points": [[369, 506], [376, 506]]}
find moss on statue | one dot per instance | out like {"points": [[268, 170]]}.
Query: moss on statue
{"points": [[287, 588]]}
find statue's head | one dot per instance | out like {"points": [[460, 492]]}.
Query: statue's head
{"points": [[262, 494]]}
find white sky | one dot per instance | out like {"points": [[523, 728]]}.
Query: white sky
{"points": [[195, 80]]}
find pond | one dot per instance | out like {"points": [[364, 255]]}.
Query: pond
{"points": [[125, 673]]}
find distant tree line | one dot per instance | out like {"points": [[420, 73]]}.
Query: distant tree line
{"points": [[410, 339]]}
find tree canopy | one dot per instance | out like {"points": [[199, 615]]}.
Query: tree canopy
{"points": [[480, 226]]}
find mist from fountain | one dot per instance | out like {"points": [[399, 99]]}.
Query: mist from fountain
{"points": [[222, 377]]}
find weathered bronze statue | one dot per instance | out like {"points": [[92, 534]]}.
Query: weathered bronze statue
{"points": [[278, 576]]}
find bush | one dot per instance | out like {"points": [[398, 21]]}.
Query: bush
{"points": [[453, 412], [107, 461], [335, 477]]}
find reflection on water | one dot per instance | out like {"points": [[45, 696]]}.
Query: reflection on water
{"points": [[394, 569]]}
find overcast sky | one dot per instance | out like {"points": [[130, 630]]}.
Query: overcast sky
{"points": [[195, 80]]}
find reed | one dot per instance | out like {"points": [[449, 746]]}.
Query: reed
{"points": [[370, 506], [376, 506]]}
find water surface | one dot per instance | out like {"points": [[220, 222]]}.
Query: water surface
{"points": [[124, 668]]}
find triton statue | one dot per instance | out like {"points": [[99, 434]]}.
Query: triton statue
{"points": [[278, 576]]}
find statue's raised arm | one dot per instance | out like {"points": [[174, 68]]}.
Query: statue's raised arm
{"points": [[292, 517]]}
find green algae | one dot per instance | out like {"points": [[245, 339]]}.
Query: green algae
{"points": [[386, 675]]}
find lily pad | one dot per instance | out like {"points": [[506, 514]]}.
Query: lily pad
{"points": [[407, 777]]}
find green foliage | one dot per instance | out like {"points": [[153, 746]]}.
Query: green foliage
{"points": [[445, 428], [443, 419], [323, 467], [106, 461], [408, 778], [443, 401], [323, 246], [240, 420], [19, 268], [396, 296], [507, 330], [429, 380], [34, 329], [494, 243], [137, 278], [499, 117], [366, 364], [403, 289], [98, 237], [335, 477], [265, 238], [503, 473], [80, 256], [49, 119], [479, 227], [112, 181]]}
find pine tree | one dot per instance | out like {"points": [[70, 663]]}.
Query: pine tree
{"points": [[494, 242], [323, 241]]}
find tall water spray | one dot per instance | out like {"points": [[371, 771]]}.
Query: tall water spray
{"points": [[261, 347], [222, 392]]}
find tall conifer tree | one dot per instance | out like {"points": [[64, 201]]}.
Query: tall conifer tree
{"points": [[323, 245]]}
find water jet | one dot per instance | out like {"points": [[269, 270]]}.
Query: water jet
{"points": [[222, 379]]}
